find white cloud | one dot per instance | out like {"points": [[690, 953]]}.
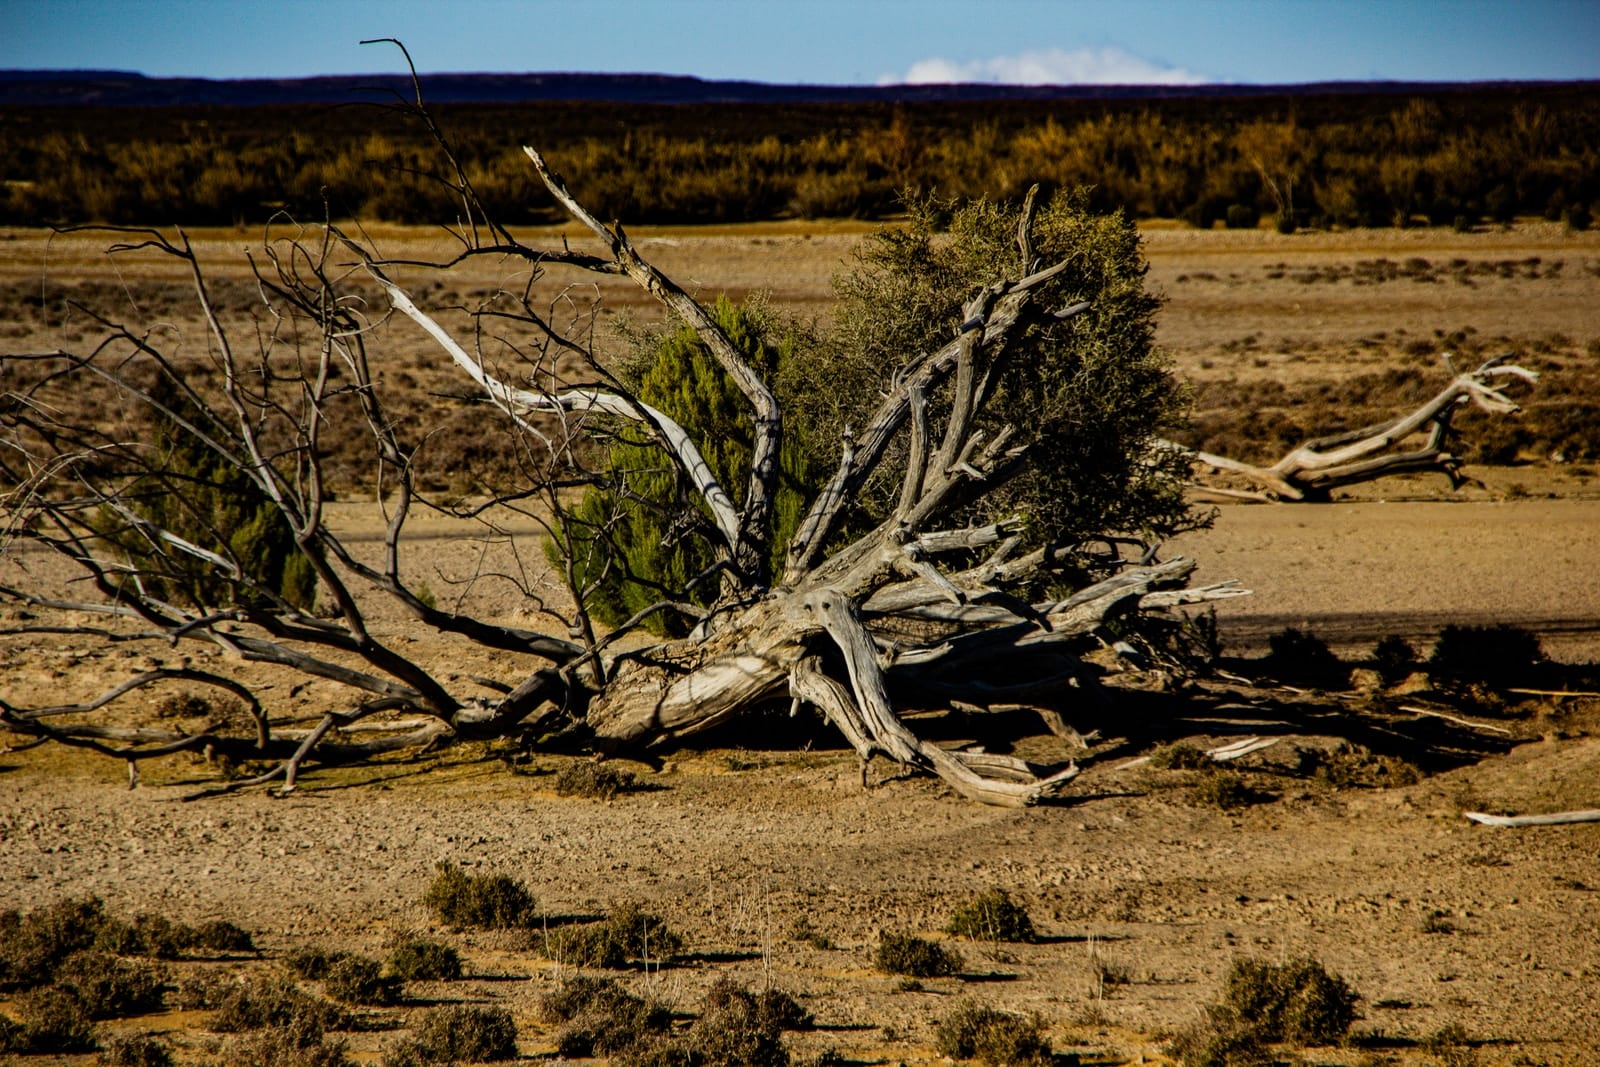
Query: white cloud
{"points": [[1051, 66]]}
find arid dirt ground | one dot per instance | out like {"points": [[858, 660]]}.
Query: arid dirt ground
{"points": [[1434, 920]]}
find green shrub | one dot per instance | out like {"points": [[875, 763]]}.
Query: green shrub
{"points": [[992, 916], [360, 980], [1498, 655], [48, 1020], [416, 960], [637, 538], [595, 780], [1395, 658], [1302, 658], [492, 901], [626, 935], [915, 957], [207, 499], [110, 987], [147, 935], [136, 1050], [995, 1038]]}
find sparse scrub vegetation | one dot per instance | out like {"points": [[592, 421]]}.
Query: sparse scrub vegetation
{"points": [[915, 957], [1299, 1003], [47, 1020], [600, 1017], [1351, 766], [627, 935], [994, 1038], [1302, 658], [360, 980], [1498, 655], [992, 916], [417, 960], [109, 987], [598, 781], [1395, 658], [490, 901], [457, 1033], [1226, 790], [270, 1002], [136, 1050]]}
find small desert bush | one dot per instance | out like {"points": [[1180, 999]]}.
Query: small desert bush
{"points": [[1181, 756], [1395, 658], [219, 935], [594, 780], [992, 916], [360, 980], [770, 1008], [601, 1018], [915, 957], [276, 1003], [47, 1020], [146, 935], [283, 1047], [995, 1038], [493, 901], [312, 962], [33, 945], [136, 1050], [1350, 766], [735, 1028], [1297, 1002], [110, 987], [457, 1033], [801, 930], [416, 960], [1226, 790], [626, 935], [1302, 658], [1498, 655]]}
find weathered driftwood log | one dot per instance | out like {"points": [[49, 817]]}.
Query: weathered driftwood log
{"points": [[1312, 470]]}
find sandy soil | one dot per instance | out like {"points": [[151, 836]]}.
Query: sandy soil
{"points": [[1434, 920]]}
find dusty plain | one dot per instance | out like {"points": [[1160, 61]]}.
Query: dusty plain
{"points": [[1433, 920]]}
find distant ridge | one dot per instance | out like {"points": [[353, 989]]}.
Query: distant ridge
{"points": [[112, 88]]}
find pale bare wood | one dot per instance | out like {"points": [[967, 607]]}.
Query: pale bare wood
{"points": [[1560, 818]]}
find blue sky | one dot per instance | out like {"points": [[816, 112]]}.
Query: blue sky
{"points": [[824, 41]]}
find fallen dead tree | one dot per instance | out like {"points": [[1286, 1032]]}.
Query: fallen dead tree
{"points": [[1416, 441], [996, 490]]}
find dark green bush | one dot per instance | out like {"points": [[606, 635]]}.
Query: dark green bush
{"points": [[637, 539], [417, 960], [110, 987], [206, 498], [1498, 655], [360, 980], [492, 901], [626, 935], [992, 916], [915, 957], [995, 1038]]}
